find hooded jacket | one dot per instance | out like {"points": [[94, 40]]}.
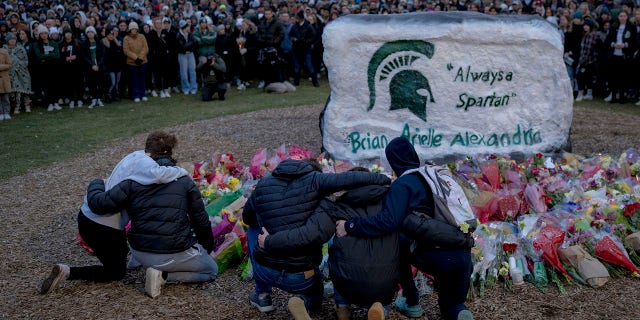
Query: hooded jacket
{"points": [[286, 200], [407, 194], [162, 215], [363, 270]]}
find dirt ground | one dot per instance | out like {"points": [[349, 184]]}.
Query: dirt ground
{"points": [[38, 212]]}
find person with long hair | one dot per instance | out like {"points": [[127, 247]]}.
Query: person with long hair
{"points": [[621, 42], [19, 73], [587, 62]]}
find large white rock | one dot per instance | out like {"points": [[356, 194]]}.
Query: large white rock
{"points": [[454, 83]]}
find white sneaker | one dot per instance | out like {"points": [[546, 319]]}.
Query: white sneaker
{"points": [[588, 96], [153, 282], [579, 97], [1, 117], [145, 99], [50, 107], [57, 106], [71, 105], [638, 103], [241, 87], [93, 103], [100, 104], [17, 110], [79, 103], [66, 100], [186, 93], [175, 89], [608, 98], [154, 94], [58, 275], [60, 101], [136, 100], [7, 116], [27, 109], [162, 96], [166, 93], [261, 85]]}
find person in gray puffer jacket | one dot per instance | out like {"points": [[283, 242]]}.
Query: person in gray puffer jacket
{"points": [[286, 200]]}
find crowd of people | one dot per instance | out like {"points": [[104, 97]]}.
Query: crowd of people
{"points": [[75, 52]]}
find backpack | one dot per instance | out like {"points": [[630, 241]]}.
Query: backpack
{"points": [[450, 202]]}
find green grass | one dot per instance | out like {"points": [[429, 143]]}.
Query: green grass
{"points": [[41, 138]]}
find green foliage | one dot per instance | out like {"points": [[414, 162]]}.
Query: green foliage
{"points": [[38, 139]]}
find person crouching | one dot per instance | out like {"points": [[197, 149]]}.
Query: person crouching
{"points": [[212, 71]]}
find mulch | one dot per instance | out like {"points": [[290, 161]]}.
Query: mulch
{"points": [[38, 211]]}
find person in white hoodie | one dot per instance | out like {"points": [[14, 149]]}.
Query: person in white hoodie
{"points": [[105, 234]]}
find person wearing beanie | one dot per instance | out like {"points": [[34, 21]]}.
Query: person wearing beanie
{"points": [[205, 35], [5, 84], [19, 73], [187, 46], [136, 50], [47, 55], [93, 57], [71, 56]]}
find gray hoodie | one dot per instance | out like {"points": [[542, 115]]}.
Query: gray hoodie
{"points": [[139, 167]]}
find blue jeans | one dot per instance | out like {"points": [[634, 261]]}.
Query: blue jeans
{"points": [[138, 83], [298, 59], [308, 288], [187, 63]]}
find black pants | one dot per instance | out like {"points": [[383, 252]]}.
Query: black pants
{"points": [[208, 90], [451, 270], [110, 247], [619, 77], [409, 290]]}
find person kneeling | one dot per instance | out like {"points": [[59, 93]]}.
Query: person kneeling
{"points": [[162, 216], [212, 71]]}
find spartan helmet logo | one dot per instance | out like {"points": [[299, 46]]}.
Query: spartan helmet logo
{"points": [[408, 87]]}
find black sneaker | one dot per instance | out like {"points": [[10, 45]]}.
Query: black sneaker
{"points": [[263, 304]]}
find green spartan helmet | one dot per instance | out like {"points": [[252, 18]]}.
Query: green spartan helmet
{"points": [[408, 88]]}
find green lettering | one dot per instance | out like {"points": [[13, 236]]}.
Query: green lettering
{"points": [[436, 141], [457, 139], [517, 139], [503, 137], [354, 137], [493, 140], [459, 74]]}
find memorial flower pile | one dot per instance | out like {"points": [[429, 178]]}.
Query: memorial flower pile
{"points": [[535, 214]]}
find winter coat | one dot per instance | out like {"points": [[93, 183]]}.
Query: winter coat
{"points": [[158, 48], [409, 207], [286, 200], [113, 55], [86, 55], [19, 73], [162, 215], [628, 38], [46, 53], [206, 41], [270, 34], [5, 66], [302, 37], [364, 270], [212, 74], [186, 43], [134, 47], [68, 49]]}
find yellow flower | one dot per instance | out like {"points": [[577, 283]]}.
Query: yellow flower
{"points": [[233, 184]]}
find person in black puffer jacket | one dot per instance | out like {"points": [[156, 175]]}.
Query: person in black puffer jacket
{"points": [[287, 200], [162, 218]]}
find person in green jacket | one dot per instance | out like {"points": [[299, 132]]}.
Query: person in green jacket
{"points": [[205, 36]]}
